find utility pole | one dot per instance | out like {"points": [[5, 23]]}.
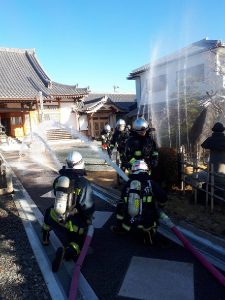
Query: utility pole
{"points": [[115, 87]]}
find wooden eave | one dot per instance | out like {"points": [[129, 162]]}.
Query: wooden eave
{"points": [[68, 96]]}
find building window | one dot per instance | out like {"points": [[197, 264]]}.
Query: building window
{"points": [[190, 75], [157, 84], [16, 121]]}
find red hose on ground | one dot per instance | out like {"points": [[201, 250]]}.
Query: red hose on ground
{"points": [[78, 265], [217, 274]]}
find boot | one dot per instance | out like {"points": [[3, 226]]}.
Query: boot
{"points": [[149, 237], [45, 237], [58, 259], [70, 253]]}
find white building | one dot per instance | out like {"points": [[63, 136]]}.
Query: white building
{"points": [[195, 69], [193, 72]]}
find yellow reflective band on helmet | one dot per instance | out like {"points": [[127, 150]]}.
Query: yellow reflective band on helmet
{"points": [[137, 153], [76, 247], [132, 160], [119, 217], [126, 227], [125, 199], [155, 153], [77, 191], [46, 227]]}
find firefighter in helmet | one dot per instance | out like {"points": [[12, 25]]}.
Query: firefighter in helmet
{"points": [[106, 135], [141, 145], [72, 211], [141, 199], [120, 138]]}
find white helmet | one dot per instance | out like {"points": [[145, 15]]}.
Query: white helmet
{"points": [[140, 125], [139, 166], [75, 161], [120, 125], [107, 128]]}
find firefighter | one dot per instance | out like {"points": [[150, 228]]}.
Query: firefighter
{"points": [[106, 135], [141, 144], [140, 204], [72, 211], [119, 140]]}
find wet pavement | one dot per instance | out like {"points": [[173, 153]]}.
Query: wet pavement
{"points": [[120, 267]]}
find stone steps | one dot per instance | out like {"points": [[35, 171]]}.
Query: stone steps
{"points": [[58, 134]]}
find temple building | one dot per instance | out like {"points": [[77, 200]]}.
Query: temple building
{"points": [[28, 96], [102, 108]]}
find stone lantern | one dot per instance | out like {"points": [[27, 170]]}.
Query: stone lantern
{"points": [[216, 144]]}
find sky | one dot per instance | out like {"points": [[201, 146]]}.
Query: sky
{"points": [[97, 43]]}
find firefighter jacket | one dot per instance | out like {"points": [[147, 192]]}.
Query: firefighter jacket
{"points": [[106, 137], [152, 197], [119, 139], [142, 147], [81, 189], [71, 229]]}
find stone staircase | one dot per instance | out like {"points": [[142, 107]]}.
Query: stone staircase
{"points": [[58, 134]]}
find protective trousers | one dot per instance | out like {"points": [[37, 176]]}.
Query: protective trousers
{"points": [[71, 232]]}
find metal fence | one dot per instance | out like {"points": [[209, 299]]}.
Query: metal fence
{"points": [[202, 179]]}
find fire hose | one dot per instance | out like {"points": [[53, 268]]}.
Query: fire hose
{"points": [[216, 273], [167, 221], [78, 264]]}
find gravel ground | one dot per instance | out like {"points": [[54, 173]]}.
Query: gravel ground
{"points": [[20, 276]]}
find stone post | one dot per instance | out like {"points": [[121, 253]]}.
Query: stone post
{"points": [[6, 186], [216, 144]]}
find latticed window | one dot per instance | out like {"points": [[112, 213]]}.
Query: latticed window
{"points": [[16, 121], [190, 75]]}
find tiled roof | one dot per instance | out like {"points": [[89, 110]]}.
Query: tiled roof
{"points": [[22, 77], [121, 101], [192, 49]]}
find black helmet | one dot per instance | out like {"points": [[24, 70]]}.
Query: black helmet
{"points": [[218, 127]]}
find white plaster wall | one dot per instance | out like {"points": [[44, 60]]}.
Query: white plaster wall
{"points": [[83, 122], [67, 117], [213, 80]]}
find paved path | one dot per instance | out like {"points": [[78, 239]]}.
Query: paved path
{"points": [[122, 267]]}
